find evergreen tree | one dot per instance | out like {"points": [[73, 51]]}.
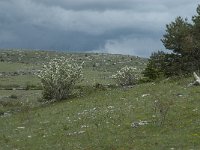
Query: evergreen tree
{"points": [[196, 29], [178, 36], [183, 39], [154, 69], [195, 54]]}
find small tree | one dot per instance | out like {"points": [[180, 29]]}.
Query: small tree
{"points": [[178, 37], [196, 29], [165, 65], [183, 39], [195, 55], [126, 76], [59, 77], [154, 69]]}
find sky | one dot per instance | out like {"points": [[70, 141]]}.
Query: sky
{"points": [[132, 27]]}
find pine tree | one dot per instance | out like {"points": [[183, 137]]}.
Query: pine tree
{"points": [[178, 36]]}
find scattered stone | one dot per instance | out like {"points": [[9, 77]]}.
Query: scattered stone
{"points": [[139, 123], [76, 133], [196, 109], [20, 127], [180, 95], [144, 95]]}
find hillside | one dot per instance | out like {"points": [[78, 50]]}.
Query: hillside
{"points": [[160, 115]]}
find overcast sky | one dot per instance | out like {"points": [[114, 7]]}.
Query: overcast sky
{"points": [[132, 27]]}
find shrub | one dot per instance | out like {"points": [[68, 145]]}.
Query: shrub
{"points": [[167, 65], [30, 86], [59, 77], [161, 109], [126, 76], [100, 86], [13, 96], [155, 66]]}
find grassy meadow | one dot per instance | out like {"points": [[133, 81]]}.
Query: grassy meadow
{"points": [[100, 116]]}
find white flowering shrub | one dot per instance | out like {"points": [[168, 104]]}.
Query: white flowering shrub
{"points": [[59, 77], [126, 76]]}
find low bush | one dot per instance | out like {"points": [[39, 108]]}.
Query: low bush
{"points": [[126, 76], [59, 77], [13, 96]]}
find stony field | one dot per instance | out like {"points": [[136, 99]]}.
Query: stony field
{"points": [[157, 115]]}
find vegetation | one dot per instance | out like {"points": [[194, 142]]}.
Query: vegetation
{"points": [[18, 75], [59, 77], [101, 115], [126, 76], [154, 69], [182, 39]]}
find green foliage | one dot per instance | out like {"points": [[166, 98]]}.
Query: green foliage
{"points": [[183, 39], [166, 65], [154, 69], [59, 77], [196, 30], [13, 96], [178, 36]]}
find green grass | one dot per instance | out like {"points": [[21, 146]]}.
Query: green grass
{"points": [[97, 118], [20, 80], [91, 77], [12, 101], [13, 67], [102, 120]]}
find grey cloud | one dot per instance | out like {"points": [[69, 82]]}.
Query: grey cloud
{"points": [[133, 46], [137, 5], [116, 26]]}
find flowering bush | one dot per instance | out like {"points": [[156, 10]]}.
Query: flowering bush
{"points": [[126, 76], [58, 78]]}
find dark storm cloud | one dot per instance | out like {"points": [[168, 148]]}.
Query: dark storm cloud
{"points": [[114, 26]]}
